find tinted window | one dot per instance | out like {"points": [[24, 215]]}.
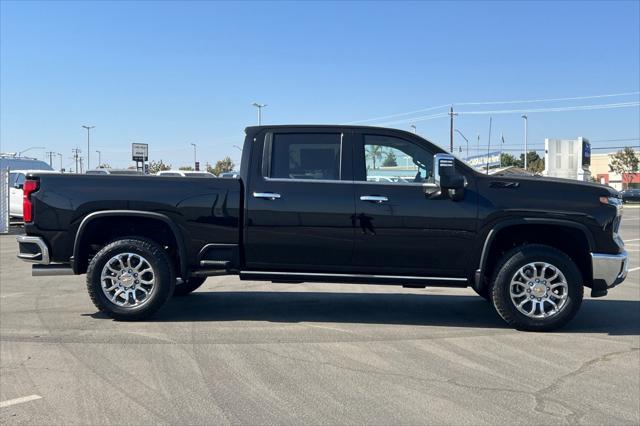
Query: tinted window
{"points": [[170, 174], [393, 160], [305, 156], [203, 175]]}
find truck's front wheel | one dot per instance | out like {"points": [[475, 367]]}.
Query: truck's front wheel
{"points": [[537, 288], [130, 279]]}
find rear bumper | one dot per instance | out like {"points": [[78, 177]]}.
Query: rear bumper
{"points": [[33, 249], [609, 269]]}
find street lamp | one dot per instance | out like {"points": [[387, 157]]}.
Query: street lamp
{"points": [[415, 129], [195, 161], [259, 106], [99, 159], [466, 140], [88, 149], [29, 149], [526, 122]]}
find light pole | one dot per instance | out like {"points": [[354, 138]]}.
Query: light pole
{"points": [[29, 149], [526, 123], [195, 160], [88, 148], [60, 155], [259, 106], [415, 129], [99, 159], [466, 140]]}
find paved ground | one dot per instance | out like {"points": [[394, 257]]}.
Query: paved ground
{"points": [[255, 353]]}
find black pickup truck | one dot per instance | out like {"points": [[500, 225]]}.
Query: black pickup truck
{"points": [[346, 204]]}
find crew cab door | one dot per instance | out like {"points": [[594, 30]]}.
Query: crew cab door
{"points": [[403, 224], [299, 201]]}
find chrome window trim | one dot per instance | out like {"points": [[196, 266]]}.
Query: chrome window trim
{"points": [[319, 274]]}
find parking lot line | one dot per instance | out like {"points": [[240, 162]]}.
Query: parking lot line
{"points": [[634, 269], [15, 401]]}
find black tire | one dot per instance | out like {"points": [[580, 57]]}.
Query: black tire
{"points": [[186, 287], [509, 265], [155, 256]]}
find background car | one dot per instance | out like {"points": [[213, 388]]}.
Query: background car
{"points": [[114, 172], [185, 173], [16, 181], [630, 195]]}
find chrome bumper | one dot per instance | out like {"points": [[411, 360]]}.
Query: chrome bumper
{"points": [[33, 249], [610, 268]]}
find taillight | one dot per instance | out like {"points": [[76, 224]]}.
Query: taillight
{"points": [[28, 188]]}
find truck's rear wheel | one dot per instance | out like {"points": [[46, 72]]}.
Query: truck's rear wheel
{"points": [[130, 279], [537, 288], [185, 287]]}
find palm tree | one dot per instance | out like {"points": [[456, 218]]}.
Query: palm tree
{"points": [[374, 152]]}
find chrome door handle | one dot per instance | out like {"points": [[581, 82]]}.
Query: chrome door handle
{"points": [[374, 198], [266, 195]]}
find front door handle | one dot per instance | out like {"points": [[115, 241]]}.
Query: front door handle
{"points": [[374, 198], [266, 195]]}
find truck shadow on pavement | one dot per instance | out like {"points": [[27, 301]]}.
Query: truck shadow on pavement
{"points": [[614, 317]]}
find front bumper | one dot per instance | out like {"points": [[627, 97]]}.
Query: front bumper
{"points": [[609, 270]]}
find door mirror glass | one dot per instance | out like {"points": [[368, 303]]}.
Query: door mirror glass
{"points": [[446, 176], [18, 185]]}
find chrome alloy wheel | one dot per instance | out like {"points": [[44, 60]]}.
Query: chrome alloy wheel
{"points": [[539, 290], [128, 280]]}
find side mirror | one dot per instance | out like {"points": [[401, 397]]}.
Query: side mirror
{"points": [[446, 176], [18, 185]]}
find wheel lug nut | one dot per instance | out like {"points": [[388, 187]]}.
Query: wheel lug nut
{"points": [[538, 299], [532, 297], [135, 275], [528, 290]]}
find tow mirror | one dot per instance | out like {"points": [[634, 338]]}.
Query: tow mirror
{"points": [[446, 176]]}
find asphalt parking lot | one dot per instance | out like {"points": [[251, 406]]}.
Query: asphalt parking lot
{"points": [[261, 353]]}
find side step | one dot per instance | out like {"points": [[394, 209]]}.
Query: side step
{"points": [[51, 270]]}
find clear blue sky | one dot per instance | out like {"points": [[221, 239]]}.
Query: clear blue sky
{"points": [[170, 73]]}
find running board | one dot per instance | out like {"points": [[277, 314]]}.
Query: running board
{"points": [[51, 270], [408, 280]]}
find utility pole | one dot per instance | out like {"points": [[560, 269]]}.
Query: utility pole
{"points": [[414, 128], [88, 148], [526, 136], [76, 151], [489, 144], [60, 155], [259, 106], [99, 159], [451, 114], [50, 154], [478, 143], [81, 168], [195, 159]]}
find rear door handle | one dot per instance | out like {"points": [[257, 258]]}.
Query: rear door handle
{"points": [[374, 198], [266, 195]]}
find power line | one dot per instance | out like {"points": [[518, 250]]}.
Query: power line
{"points": [[520, 111], [522, 101]]}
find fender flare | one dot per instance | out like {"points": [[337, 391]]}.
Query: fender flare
{"points": [[182, 250], [477, 282]]}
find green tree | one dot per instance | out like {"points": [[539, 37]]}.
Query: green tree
{"points": [[625, 163], [507, 160], [390, 160], [186, 168], [158, 166], [374, 152], [222, 166]]}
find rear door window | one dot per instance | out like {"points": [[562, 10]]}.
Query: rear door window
{"points": [[314, 156]]}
